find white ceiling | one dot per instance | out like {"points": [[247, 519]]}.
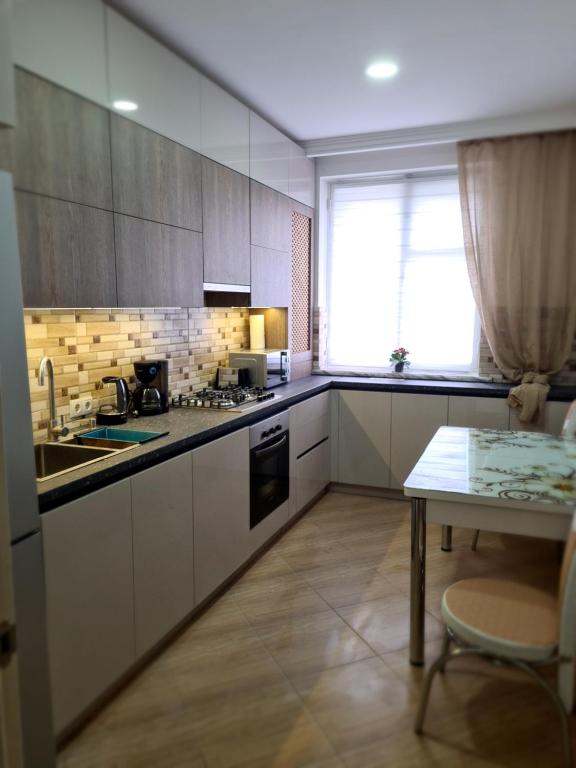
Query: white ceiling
{"points": [[300, 63]]}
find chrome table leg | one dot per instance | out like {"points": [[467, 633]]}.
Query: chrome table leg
{"points": [[446, 538], [417, 581]]}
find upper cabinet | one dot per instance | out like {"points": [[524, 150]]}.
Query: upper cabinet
{"points": [[225, 127], [164, 87], [270, 218], [61, 146], [302, 172], [157, 265], [7, 105], [269, 155], [155, 178], [66, 252], [64, 41], [226, 212]]}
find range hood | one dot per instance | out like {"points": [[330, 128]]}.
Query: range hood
{"points": [[226, 288]]}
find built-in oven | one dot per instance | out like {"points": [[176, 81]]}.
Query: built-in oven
{"points": [[269, 466]]}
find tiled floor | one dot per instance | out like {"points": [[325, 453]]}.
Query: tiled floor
{"points": [[303, 662]]}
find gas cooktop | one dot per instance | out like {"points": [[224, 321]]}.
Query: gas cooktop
{"points": [[227, 398]]}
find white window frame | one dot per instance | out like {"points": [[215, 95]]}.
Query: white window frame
{"points": [[376, 180]]}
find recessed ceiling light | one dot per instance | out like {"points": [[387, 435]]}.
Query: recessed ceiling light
{"points": [[125, 106], [381, 70]]}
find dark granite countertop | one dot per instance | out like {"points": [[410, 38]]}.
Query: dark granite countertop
{"points": [[189, 428]]}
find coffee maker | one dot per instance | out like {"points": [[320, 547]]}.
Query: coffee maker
{"points": [[151, 393]]}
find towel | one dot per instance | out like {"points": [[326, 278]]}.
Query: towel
{"points": [[530, 396]]}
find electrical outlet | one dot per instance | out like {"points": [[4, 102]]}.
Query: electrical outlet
{"points": [[80, 406]]}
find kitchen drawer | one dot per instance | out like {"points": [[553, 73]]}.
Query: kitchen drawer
{"points": [[309, 423], [312, 473]]}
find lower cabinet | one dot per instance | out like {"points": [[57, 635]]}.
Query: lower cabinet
{"points": [[163, 534], [415, 420], [89, 597], [310, 449], [312, 474], [221, 492], [550, 421], [478, 412], [364, 438]]}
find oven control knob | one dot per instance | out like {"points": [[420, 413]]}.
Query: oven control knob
{"points": [[265, 434], [277, 428]]}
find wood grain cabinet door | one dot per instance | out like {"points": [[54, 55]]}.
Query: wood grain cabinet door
{"points": [[61, 144], [226, 207], [157, 265], [67, 253], [155, 178], [270, 218], [271, 278]]}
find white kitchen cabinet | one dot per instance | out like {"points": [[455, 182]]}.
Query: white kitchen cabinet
{"points": [[269, 155], [165, 87], [309, 423], [63, 41], [478, 412], [7, 101], [225, 127], [310, 449], [302, 176], [89, 597], [163, 535], [312, 474], [221, 492], [550, 421], [364, 438], [415, 419]]}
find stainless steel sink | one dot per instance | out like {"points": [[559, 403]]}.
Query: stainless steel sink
{"points": [[55, 458]]}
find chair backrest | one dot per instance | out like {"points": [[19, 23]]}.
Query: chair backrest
{"points": [[569, 426], [567, 595]]}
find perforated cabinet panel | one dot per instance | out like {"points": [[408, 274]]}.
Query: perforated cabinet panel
{"points": [[301, 242]]}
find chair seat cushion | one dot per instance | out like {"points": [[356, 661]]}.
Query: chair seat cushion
{"points": [[503, 617]]}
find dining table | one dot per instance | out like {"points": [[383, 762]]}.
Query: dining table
{"points": [[504, 481]]}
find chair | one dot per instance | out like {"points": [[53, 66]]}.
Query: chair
{"points": [[514, 624], [568, 430]]}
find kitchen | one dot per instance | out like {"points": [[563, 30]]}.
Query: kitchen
{"points": [[244, 552]]}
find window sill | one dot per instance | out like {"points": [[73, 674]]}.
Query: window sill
{"points": [[415, 375]]}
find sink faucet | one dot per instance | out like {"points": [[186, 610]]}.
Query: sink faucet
{"points": [[56, 427]]}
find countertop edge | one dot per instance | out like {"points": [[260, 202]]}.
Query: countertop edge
{"points": [[316, 384]]}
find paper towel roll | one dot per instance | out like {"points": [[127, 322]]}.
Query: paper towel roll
{"points": [[257, 340]]}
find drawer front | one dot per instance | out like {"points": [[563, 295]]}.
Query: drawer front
{"points": [[310, 422], [312, 474]]}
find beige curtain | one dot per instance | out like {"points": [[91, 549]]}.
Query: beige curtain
{"points": [[518, 197]]}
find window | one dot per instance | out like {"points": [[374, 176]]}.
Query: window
{"points": [[396, 276]]}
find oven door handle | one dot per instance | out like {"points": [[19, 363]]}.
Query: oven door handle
{"points": [[270, 448]]}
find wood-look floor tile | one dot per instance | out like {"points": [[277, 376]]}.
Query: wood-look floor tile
{"points": [[407, 750], [270, 724], [305, 644], [272, 676], [357, 704], [385, 624]]}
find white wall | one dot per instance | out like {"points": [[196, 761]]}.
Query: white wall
{"points": [[387, 160]]}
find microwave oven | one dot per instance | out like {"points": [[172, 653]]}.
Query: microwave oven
{"points": [[267, 367]]}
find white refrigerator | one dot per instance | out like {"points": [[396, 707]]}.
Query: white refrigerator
{"points": [[25, 710]]}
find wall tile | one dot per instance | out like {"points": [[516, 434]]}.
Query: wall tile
{"points": [[87, 344]]}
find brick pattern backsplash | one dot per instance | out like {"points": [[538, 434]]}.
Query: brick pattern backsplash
{"points": [[87, 344]]}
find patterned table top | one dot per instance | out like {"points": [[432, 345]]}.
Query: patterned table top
{"points": [[521, 468]]}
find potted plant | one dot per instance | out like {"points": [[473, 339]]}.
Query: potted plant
{"points": [[400, 358]]}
